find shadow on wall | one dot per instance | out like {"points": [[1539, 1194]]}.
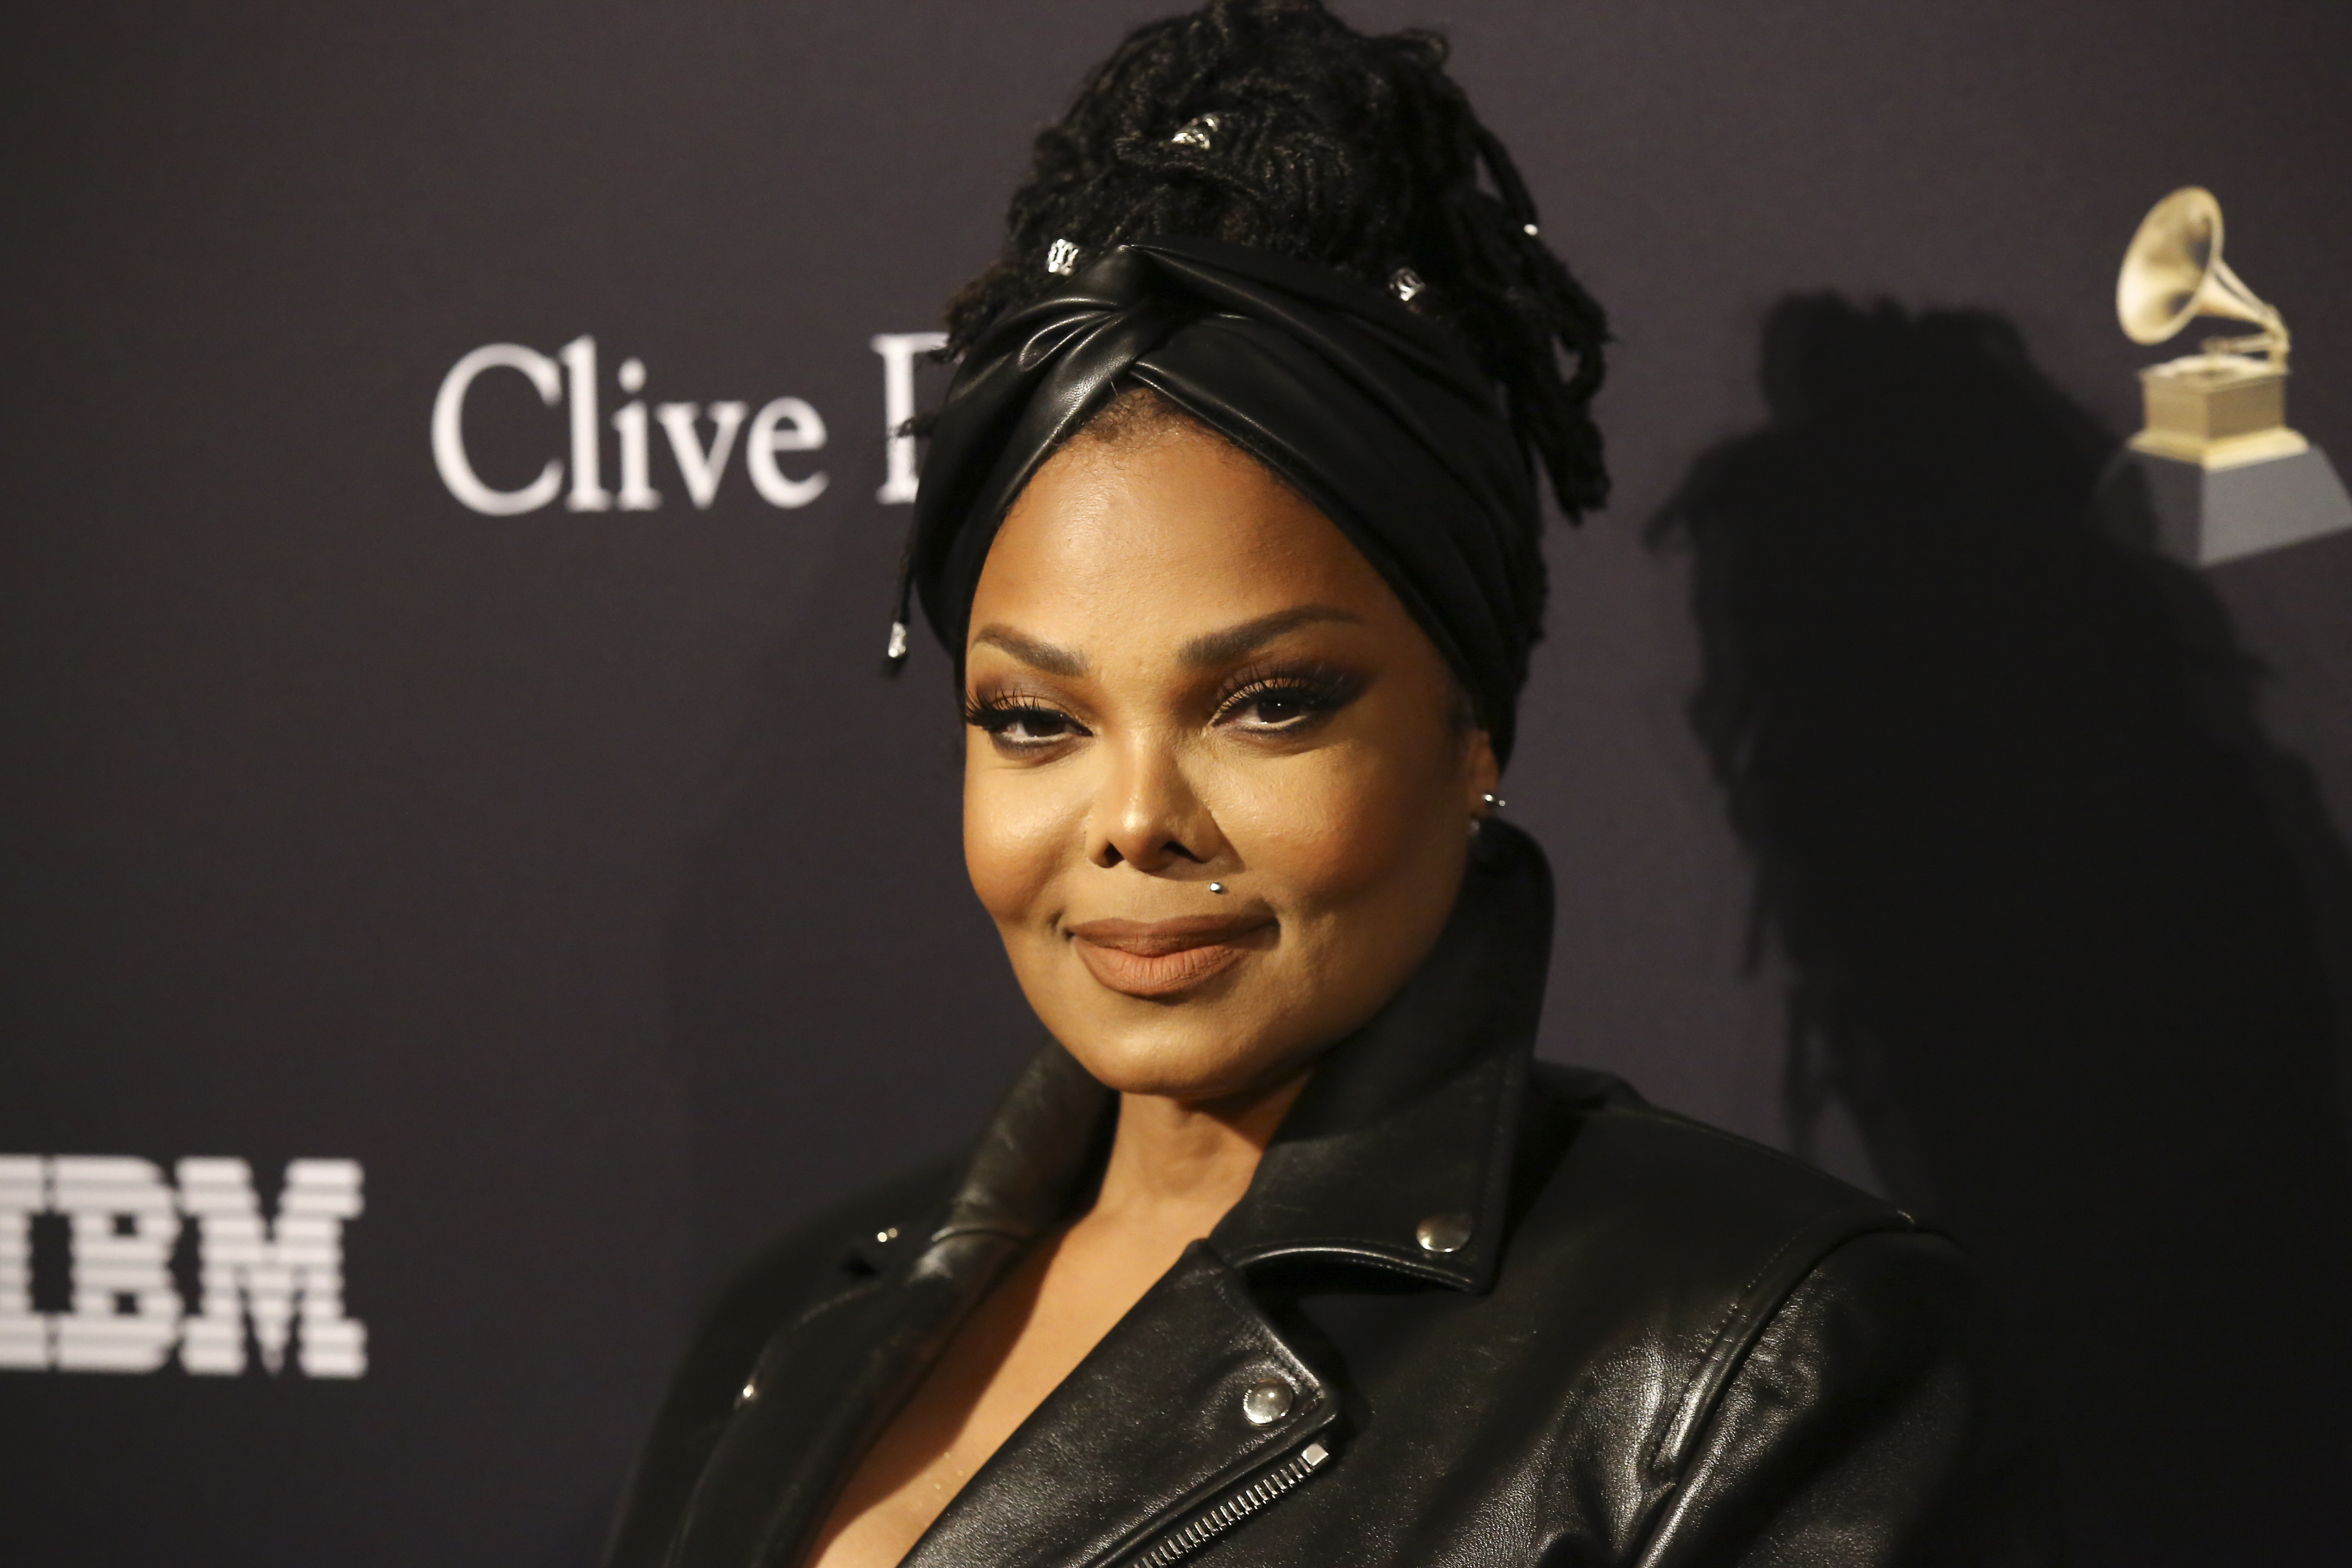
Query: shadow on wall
{"points": [[2050, 900]]}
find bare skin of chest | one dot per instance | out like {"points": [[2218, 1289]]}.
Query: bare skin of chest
{"points": [[1041, 1323]]}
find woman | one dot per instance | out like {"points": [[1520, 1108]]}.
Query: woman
{"points": [[1284, 1248]]}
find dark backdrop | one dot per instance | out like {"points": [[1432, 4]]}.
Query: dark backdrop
{"points": [[575, 874]]}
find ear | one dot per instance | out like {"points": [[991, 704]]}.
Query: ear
{"points": [[1481, 773]]}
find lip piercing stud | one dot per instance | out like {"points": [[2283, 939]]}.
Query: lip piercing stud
{"points": [[1216, 886]]}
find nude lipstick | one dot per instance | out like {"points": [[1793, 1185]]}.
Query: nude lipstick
{"points": [[1155, 959]]}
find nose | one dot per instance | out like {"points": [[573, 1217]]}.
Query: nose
{"points": [[1148, 814]]}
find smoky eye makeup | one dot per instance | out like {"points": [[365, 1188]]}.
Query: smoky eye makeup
{"points": [[1265, 697], [1018, 721], [1285, 696]]}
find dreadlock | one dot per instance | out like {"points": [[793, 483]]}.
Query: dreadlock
{"points": [[1355, 153]]}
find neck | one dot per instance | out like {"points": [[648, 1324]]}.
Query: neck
{"points": [[1177, 1166]]}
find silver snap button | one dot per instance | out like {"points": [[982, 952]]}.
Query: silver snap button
{"points": [[1444, 1233], [1266, 1402]]}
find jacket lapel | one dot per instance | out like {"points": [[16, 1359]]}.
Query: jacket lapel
{"points": [[1150, 1429], [828, 1382], [822, 1389]]}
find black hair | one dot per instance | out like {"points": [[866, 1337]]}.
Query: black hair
{"points": [[1352, 151]]}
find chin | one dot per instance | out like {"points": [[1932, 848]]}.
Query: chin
{"points": [[1187, 1058]]}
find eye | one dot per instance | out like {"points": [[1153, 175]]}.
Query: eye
{"points": [[1275, 709], [1016, 725], [1282, 704]]}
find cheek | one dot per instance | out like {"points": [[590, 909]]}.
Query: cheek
{"points": [[1017, 834], [1343, 821]]}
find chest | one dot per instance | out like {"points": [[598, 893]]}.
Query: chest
{"points": [[1414, 1424], [1029, 1336]]}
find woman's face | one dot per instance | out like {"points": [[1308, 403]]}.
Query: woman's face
{"points": [[1178, 674]]}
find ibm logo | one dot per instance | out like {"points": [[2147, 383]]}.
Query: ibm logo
{"points": [[106, 1265]]}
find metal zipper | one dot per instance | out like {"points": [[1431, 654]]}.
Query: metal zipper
{"points": [[1213, 1521]]}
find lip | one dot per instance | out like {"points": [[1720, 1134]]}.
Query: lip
{"points": [[1166, 958]]}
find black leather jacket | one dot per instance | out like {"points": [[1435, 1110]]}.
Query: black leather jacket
{"points": [[1495, 1311]]}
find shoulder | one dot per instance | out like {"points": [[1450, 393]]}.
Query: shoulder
{"points": [[1778, 1309], [1694, 1239], [1595, 1149], [841, 1245], [816, 1261]]}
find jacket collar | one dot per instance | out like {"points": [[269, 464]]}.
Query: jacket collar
{"points": [[1405, 1130]]}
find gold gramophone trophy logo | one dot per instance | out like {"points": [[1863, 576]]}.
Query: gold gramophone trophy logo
{"points": [[2225, 476]]}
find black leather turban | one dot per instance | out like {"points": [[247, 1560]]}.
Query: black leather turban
{"points": [[1377, 415]]}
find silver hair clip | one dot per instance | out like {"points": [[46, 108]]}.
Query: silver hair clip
{"points": [[1406, 284], [1061, 259], [1197, 132]]}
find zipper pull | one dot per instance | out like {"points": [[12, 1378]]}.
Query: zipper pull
{"points": [[1233, 1508]]}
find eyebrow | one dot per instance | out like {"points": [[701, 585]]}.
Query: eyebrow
{"points": [[1212, 648], [1223, 647], [1031, 652]]}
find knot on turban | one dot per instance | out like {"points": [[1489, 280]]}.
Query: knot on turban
{"points": [[1377, 415]]}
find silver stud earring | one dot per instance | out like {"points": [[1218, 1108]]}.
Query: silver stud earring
{"points": [[1062, 258], [1406, 284], [1198, 131], [1216, 886], [1494, 802]]}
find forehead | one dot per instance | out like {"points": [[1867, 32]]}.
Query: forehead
{"points": [[1171, 530]]}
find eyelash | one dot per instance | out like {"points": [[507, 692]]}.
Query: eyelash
{"points": [[1000, 713], [1315, 689]]}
